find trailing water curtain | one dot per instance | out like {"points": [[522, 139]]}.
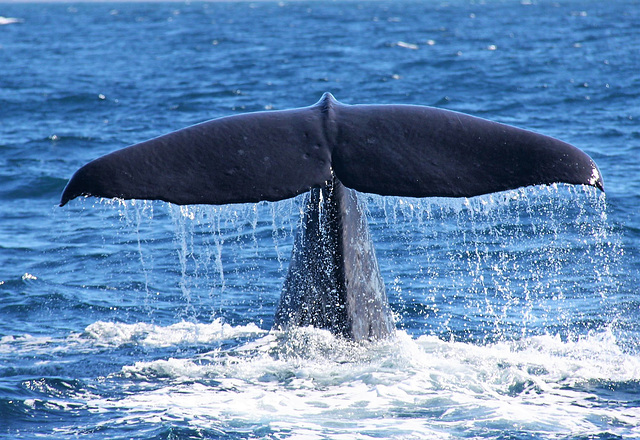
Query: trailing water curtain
{"points": [[329, 150]]}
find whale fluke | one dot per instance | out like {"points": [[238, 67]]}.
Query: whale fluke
{"points": [[331, 150], [401, 150]]}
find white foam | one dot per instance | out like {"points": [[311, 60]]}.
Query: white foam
{"points": [[312, 385], [111, 333]]}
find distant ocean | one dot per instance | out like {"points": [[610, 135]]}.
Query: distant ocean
{"points": [[517, 314]]}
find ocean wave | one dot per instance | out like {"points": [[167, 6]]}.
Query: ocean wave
{"points": [[34, 187]]}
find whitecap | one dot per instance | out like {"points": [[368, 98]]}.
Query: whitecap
{"points": [[10, 20]]}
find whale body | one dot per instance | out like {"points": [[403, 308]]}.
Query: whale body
{"points": [[332, 151]]}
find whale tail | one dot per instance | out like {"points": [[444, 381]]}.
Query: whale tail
{"points": [[398, 150], [332, 149]]}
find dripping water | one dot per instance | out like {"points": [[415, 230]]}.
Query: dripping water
{"points": [[500, 266], [214, 262], [481, 270]]}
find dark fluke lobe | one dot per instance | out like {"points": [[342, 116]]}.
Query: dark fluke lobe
{"points": [[401, 150]]}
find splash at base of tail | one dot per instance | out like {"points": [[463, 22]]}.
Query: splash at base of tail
{"points": [[330, 150]]}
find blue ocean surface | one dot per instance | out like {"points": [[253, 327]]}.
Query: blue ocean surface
{"points": [[517, 314]]}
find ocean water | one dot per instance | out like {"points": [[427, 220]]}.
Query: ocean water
{"points": [[517, 313]]}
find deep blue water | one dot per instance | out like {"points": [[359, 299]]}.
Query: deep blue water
{"points": [[517, 313]]}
